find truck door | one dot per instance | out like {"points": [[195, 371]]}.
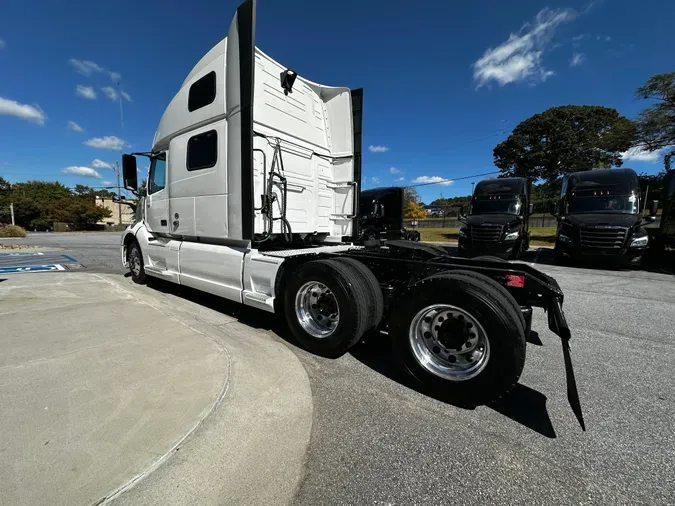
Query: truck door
{"points": [[157, 214], [157, 201]]}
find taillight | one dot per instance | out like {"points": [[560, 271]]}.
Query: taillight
{"points": [[515, 280]]}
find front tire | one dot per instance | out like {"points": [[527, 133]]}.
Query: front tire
{"points": [[328, 307], [459, 338], [135, 261]]}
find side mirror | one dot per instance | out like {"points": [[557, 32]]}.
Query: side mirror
{"points": [[530, 210], [130, 172], [653, 207], [460, 214]]}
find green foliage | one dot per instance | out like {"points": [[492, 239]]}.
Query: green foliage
{"points": [[565, 139], [143, 188], [656, 124], [11, 231], [38, 204]]}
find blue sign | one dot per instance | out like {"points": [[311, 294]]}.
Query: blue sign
{"points": [[31, 268]]}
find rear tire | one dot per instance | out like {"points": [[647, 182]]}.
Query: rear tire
{"points": [[377, 300], [499, 288], [135, 261], [421, 344], [490, 258], [328, 306]]}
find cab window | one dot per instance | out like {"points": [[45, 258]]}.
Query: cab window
{"points": [[157, 176]]}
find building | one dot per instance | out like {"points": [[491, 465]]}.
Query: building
{"points": [[114, 206]]}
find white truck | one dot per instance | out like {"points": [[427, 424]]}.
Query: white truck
{"points": [[252, 195]]}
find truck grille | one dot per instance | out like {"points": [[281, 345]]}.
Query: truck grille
{"points": [[608, 239], [486, 234]]}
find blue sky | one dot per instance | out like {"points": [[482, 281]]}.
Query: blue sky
{"points": [[443, 82]]}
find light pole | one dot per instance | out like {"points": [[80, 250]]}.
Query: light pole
{"points": [[119, 193], [472, 186]]}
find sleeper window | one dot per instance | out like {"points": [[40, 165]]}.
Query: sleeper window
{"points": [[202, 151]]}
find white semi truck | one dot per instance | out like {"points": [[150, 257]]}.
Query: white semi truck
{"points": [[252, 195]]}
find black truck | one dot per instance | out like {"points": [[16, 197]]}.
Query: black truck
{"points": [[381, 215], [600, 218], [662, 236], [498, 220]]}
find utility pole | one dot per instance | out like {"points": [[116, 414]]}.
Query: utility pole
{"points": [[119, 192], [11, 210]]}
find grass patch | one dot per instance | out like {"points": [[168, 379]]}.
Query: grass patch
{"points": [[12, 231], [541, 236]]}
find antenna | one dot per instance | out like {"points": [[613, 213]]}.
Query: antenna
{"points": [[119, 95]]}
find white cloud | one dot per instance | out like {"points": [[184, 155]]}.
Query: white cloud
{"points": [[520, 57], [82, 171], [608, 38], [107, 142], [641, 155], [375, 179], [75, 127], [23, 111], [401, 179], [378, 149], [110, 92], [113, 94], [577, 59], [85, 67], [100, 164], [433, 180], [106, 183], [85, 92], [88, 67], [394, 170], [3, 44]]}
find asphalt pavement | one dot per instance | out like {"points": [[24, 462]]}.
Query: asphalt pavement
{"points": [[375, 440]]}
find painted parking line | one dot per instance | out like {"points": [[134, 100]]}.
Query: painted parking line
{"points": [[23, 254], [31, 268]]}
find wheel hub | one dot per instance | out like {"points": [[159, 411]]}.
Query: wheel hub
{"points": [[317, 309], [449, 342]]}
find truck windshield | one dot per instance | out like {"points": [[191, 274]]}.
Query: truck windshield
{"points": [[627, 204], [499, 206]]}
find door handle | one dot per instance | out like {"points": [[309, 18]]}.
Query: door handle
{"points": [[175, 223]]}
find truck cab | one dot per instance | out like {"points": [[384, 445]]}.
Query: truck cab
{"points": [[498, 220], [381, 215], [663, 234], [600, 218]]}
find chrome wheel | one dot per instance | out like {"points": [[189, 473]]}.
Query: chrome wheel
{"points": [[135, 260], [449, 342], [317, 309]]}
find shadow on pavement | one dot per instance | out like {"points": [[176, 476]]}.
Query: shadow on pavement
{"points": [[524, 405], [534, 338], [3, 279]]}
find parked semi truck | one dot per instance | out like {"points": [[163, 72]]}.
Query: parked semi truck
{"points": [[381, 215], [599, 217], [663, 236], [498, 220], [253, 195]]}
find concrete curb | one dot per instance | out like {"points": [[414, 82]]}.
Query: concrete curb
{"points": [[226, 384], [251, 447]]}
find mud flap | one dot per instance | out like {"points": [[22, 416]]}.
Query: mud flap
{"points": [[558, 324]]}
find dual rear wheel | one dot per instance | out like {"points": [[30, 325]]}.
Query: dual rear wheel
{"points": [[460, 334]]}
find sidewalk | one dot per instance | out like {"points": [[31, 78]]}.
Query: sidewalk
{"points": [[103, 382]]}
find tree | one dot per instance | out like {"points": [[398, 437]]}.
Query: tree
{"points": [[656, 124], [414, 211], [565, 139], [409, 195]]}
